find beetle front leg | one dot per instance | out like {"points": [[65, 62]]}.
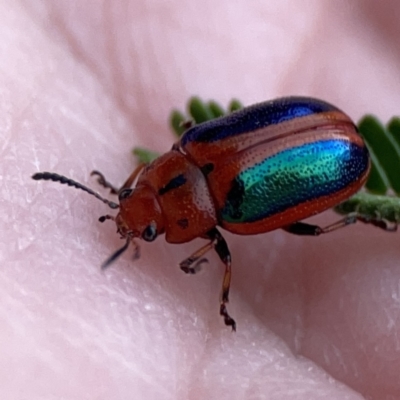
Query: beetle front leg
{"points": [[221, 247], [101, 180]]}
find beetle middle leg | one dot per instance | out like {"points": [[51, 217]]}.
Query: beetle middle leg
{"points": [[219, 244]]}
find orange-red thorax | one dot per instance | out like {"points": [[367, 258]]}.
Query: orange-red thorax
{"points": [[172, 194]]}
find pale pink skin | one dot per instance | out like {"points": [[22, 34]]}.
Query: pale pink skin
{"points": [[81, 84]]}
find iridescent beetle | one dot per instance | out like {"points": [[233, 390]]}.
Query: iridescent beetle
{"points": [[264, 167]]}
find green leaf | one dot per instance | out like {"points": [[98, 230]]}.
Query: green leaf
{"points": [[384, 148], [235, 105], [215, 109], [199, 110], [176, 121], [144, 156]]}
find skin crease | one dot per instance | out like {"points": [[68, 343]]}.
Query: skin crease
{"points": [[81, 83]]}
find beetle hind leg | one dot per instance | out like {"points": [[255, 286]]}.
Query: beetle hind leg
{"points": [[303, 229], [388, 226], [192, 263]]}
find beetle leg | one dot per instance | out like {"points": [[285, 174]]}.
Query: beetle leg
{"points": [[102, 181], [221, 247], [301, 228], [191, 265], [379, 223], [224, 254], [113, 189]]}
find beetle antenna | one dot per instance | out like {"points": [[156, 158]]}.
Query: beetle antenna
{"points": [[51, 176], [114, 256]]}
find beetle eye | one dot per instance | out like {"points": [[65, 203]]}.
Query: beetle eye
{"points": [[125, 194], [150, 233]]}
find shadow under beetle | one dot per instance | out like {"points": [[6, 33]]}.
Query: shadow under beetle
{"points": [[261, 168]]}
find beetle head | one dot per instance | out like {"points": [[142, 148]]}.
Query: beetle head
{"points": [[139, 214]]}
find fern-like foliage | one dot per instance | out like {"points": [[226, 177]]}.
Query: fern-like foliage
{"points": [[384, 146]]}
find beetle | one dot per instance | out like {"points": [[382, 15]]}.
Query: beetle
{"points": [[261, 168]]}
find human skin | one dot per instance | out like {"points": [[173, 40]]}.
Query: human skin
{"points": [[82, 83]]}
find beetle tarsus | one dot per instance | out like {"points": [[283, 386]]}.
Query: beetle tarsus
{"points": [[186, 265], [229, 321], [379, 223], [196, 258], [192, 265]]}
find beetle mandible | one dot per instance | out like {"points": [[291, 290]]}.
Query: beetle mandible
{"points": [[264, 167]]}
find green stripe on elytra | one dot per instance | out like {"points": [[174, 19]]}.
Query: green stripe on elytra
{"points": [[293, 176]]}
